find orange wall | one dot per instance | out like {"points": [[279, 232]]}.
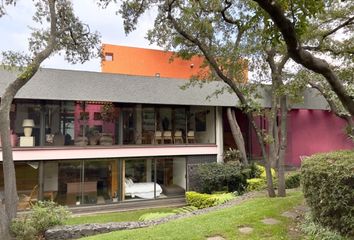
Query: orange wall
{"points": [[149, 62]]}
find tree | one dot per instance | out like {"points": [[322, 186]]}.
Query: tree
{"points": [[62, 32], [332, 35], [292, 32], [206, 28]]}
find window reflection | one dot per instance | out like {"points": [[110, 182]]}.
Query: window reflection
{"points": [[85, 123]]}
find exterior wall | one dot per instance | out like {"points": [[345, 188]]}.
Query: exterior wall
{"points": [[219, 134], [313, 131], [149, 62], [309, 132], [37, 154]]}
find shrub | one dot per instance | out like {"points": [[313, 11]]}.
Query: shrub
{"points": [[43, 216], [256, 184], [214, 177], [202, 200], [292, 180], [328, 183], [255, 171], [259, 180], [23, 229], [155, 215]]}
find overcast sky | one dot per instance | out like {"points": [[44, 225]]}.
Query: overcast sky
{"points": [[14, 30]]}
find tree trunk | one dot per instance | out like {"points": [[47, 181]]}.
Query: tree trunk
{"points": [[267, 163], [11, 198], [283, 146], [237, 135], [10, 190]]}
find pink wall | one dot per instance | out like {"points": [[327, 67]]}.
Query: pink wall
{"points": [[91, 108], [313, 131], [309, 132]]}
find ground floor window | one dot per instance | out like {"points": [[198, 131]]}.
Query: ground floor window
{"points": [[101, 181], [154, 178]]}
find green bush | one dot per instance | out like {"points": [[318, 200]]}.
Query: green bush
{"points": [[203, 200], [328, 183], [255, 171], [155, 215], [23, 229], [259, 180], [43, 216], [292, 180], [215, 177], [256, 184]]}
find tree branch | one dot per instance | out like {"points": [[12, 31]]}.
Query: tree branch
{"points": [[303, 57]]}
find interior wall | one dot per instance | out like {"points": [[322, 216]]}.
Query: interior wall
{"points": [[207, 136], [179, 172], [50, 170]]}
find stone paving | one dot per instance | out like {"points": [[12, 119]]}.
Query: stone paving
{"points": [[216, 238], [245, 230], [270, 221]]}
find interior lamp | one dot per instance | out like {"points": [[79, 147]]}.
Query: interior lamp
{"points": [[27, 125]]}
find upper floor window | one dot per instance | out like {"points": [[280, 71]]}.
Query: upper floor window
{"points": [[108, 57]]}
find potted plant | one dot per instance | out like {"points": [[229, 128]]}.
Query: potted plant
{"points": [[93, 136]]}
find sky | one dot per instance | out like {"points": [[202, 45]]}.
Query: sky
{"points": [[14, 30]]}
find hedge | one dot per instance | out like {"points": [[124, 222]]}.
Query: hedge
{"points": [[328, 185], [214, 177], [203, 200]]}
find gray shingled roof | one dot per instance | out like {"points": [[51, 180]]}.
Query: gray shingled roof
{"points": [[55, 84]]}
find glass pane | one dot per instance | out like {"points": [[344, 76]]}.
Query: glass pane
{"points": [[69, 183], [27, 122], [139, 180], [129, 125], [101, 181], [148, 125], [179, 125], [201, 125], [171, 176]]}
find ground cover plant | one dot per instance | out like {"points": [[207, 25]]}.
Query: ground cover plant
{"points": [[127, 216], [223, 222]]}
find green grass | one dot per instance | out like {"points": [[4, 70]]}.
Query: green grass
{"points": [[115, 217], [224, 222]]}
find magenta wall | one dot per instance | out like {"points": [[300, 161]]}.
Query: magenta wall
{"points": [[313, 131], [91, 108]]}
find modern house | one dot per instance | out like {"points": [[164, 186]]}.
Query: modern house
{"points": [[87, 138]]}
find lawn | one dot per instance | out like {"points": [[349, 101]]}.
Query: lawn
{"points": [[224, 222], [114, 217]]}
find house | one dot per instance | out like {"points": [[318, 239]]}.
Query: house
{"points": [[88, 138]]}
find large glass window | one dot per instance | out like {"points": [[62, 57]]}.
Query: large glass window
{"points": [[82, 182], [85, 123]]}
